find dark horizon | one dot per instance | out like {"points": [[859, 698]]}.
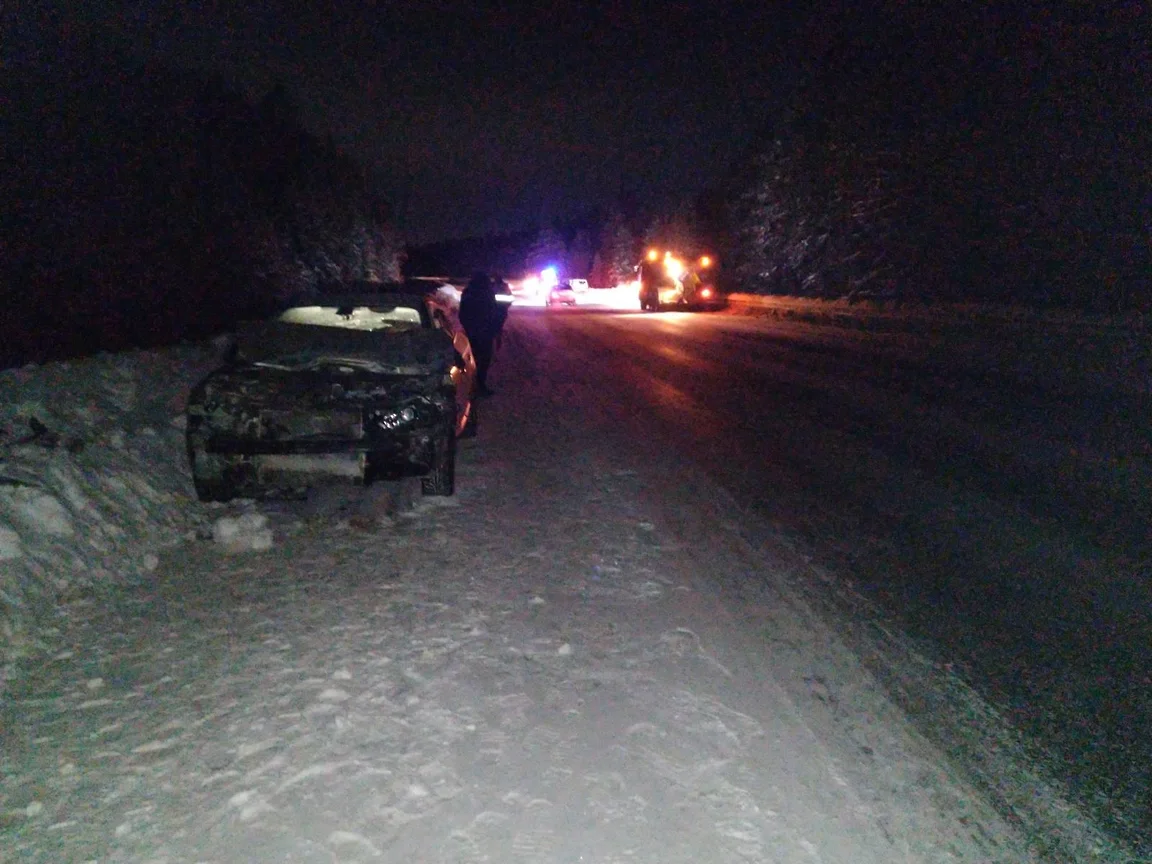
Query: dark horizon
{"points": [[844, 150], [480, 121], [483, 121]]}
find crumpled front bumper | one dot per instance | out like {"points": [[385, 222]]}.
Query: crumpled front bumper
{"points": [[266, 449]]}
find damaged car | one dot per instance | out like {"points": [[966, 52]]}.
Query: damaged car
{"points": [[348, 388]]}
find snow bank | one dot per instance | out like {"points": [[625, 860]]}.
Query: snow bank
{"points": [[93, 479]]}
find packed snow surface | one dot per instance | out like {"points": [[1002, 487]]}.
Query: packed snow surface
{"points": [[549, 667]]}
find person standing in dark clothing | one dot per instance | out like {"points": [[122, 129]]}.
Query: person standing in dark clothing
{"points": [[503, 295], [480, 318]]}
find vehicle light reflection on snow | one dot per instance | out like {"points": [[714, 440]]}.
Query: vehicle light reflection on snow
{"points": [[676, 320], [621, 298], [676, 355], [670, 396]]}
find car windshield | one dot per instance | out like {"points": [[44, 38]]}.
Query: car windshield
{"points": [[354, 317]]}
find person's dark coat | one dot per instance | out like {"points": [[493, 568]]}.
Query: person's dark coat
{"points": [[480, 317], [500, 287], [479, 312]]}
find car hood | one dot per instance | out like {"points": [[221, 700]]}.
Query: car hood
{"points": [[295, 347]]}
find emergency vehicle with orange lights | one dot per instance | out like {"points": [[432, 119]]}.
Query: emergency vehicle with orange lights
{"points": [[668, 279]]}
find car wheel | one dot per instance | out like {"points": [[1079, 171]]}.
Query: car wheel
{"points": [[209, 470], [441, 480]]}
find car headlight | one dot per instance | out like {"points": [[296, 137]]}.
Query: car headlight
{"points": [[389, 420]]}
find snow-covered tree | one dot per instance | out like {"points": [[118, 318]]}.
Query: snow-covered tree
{"points": [[580, 255], [547, 250], [618, 252], [598, 273], [887, 176], [675, 230], [222, 207]]}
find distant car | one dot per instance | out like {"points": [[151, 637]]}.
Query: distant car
{"points": [[578, 284], [356, 387], [561, 295]]}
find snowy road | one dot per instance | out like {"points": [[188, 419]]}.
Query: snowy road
{"points": [[987, 484], [582, 658], [607, 648]]}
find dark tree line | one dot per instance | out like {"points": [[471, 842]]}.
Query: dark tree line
{"points": [[617, 254], [515, 254], [145, 204], [958, 151], [460, 257]]}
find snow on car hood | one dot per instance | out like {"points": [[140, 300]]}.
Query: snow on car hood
{"points": [[295, 346]]}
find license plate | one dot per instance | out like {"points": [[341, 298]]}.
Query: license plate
{"points": [[349, 465]]}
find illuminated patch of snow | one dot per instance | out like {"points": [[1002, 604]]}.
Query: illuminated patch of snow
{"points": [[38, 511], [246, 532], [10, 546]]}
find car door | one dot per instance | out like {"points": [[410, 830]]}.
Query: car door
{"points": [[464, 369]]}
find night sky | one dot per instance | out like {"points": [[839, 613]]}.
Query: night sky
{"points": [[482, 118]]}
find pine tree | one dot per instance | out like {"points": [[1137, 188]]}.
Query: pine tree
{"points": [[675, 231], [618, 249], [580, 255], [548, 250], [598, 273]]}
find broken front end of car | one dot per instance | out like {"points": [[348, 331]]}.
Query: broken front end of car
{"points": [[263, 430]]}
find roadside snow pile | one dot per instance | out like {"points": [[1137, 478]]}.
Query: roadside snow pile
{"points": [[93, 480]]}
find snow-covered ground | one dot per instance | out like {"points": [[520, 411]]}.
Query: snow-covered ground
{"points": [[93, 484], [563, 663]]}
